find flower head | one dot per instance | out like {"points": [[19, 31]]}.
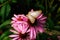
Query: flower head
{"points": [[37, 24], [20, 28], [20, 35]]}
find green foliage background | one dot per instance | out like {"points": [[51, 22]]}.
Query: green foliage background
{"points": [[50, 8]]}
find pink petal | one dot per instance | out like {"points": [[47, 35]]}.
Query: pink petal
{"points": [[32, 33], [25, 27], [40, 29], [13, 35], [43, 18], [14, 19], [14, 31], [28, 30], [42, 21], [21, 22], [19, 39], [40, 16], [15, 15], [17, 29], [20, 27], [15, 38]]}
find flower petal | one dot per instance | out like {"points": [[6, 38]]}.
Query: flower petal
{"points": [[32, 33], [40, 29], [13, 18], [17, 29], [14, 31], [28, 30], [15, 38], [13, 35], [43, 18], [40, 16], [15, 15]]}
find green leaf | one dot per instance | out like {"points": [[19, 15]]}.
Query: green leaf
{"points": [[5, 23], [2, 11], [6, 33], [6, 38], [50, 23], [1, 1], [8, 8]]}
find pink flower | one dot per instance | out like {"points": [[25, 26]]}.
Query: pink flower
{"points": [[21, 31], [19, 35], [20, 28], [38, 25], [19, 23]]}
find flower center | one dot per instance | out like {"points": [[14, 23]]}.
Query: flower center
{"points": [[23, 36]]}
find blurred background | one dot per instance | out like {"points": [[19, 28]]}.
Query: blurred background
{"points": [[50, 8]]}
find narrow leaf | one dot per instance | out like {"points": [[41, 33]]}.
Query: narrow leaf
{"points": [[2, 11], [7, 10], [6, 33], [5, 23]]}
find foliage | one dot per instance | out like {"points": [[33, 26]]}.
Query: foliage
{"points": [[50, 8]]}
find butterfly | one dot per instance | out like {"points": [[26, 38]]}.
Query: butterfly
{"points": [[32, 15]]}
